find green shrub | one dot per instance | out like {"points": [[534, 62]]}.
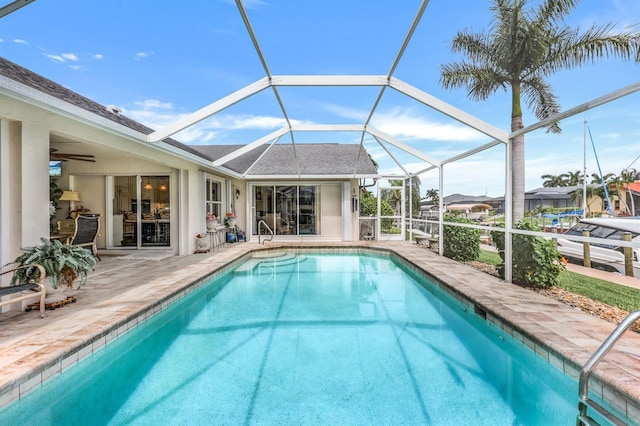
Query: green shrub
{"points": [[536, 261], [461, 244], [63, 263], [369, 207]]}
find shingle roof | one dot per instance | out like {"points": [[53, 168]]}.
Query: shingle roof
{"points": [[24, 76], [313, 159], [553, 192]]}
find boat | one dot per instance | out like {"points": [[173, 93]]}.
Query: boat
{"points": [[605, 256]]}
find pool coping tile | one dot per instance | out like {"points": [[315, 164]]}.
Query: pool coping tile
{"points": [[120, 299]]}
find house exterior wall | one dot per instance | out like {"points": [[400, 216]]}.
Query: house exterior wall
{"points": [[29, 129], [331, 210], [26, 132]]}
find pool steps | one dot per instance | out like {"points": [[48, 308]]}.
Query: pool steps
{"points": [[282, 258]]}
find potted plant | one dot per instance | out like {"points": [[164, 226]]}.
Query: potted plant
{"points": [[63, 263], [230, 219], [212, 222]]}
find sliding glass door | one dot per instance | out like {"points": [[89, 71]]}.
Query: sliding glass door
{"points": [[141, 211], [286, 209]]}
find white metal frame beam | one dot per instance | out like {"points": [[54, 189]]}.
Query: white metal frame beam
{"points": [[13, 6], [209, 110]]}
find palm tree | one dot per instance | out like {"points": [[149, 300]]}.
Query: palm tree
{"points": [[574, 178], [577, 197], [414, 187], [628, 176], [522, 49], [607, 180], [554, 181], [432, 195]]}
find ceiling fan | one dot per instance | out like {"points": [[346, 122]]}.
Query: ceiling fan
{"points": [[54, 155]]}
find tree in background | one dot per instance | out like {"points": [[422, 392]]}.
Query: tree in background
{"points": [[626, 177], [394, 197], [521, 50], [554, 181], [607, 180], [574, 178], [432, 196]]}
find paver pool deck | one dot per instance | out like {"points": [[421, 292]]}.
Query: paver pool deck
{"points": [[125, 290]]}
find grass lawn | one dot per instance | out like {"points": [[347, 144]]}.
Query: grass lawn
{"points": [[612, 294]]}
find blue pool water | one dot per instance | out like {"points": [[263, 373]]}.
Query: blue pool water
{"points": [[340, 339]]}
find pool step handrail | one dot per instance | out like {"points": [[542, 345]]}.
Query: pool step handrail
{"points": [[583, 385], [260, 224]]}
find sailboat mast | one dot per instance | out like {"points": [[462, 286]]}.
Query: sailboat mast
{"points": [[584, 173]]}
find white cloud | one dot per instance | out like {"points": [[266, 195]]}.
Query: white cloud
{"points": [[158, 114], [355, 114], [154, 104], [55, 58], [20, 41], [142, 55], [64, 57], [70, 57], [404, 123], [253, 122], [98, 56]]}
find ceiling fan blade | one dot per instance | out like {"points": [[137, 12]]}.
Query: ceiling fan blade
{"points": [[65, 157]]}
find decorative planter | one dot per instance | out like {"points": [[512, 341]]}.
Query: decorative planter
{"points": [[59, 296], [202, 245], [211, 226], [231, 223]]}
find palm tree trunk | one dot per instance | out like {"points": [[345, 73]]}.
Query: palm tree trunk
{"points": [[517, 171]]}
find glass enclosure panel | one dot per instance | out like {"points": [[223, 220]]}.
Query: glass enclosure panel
{"points": [[391, 210], [368, 229], [264, 208]]}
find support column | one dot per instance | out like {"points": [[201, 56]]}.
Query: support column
{"points": [[34, 163]]}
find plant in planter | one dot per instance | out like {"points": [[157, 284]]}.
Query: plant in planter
{"points": [[230, 219], [63, 263], [212, 221]]}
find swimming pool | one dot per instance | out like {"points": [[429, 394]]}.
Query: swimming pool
{"points": [[332, 339]]}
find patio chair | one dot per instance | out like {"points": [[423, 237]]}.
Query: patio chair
{"points": [[34, 288], [366, 231], [86, 232]]}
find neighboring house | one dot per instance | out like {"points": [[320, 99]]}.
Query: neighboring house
{"points": [[562, 198], [632, 197], [551, 197], [155, 195], [547, 197], [471, 211], [430, 211]]}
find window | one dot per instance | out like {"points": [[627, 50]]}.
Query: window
{"points": [[213, 197]]}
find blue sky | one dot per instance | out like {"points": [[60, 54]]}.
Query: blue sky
{"points": [[158, 61]]}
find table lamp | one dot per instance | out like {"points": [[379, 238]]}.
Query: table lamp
{"points": [[69, 196]]}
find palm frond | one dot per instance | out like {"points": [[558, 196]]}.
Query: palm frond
{"points": [[538, 95]]}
